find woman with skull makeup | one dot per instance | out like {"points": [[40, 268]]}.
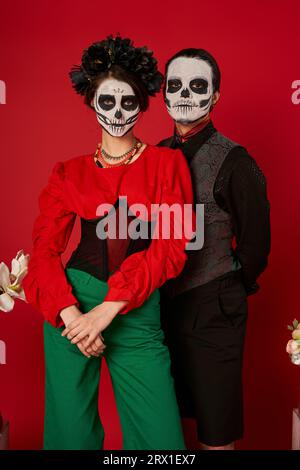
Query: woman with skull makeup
{"points": [[105, 302]]}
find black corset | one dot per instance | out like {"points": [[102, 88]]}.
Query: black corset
{"points": [[101, 257]]}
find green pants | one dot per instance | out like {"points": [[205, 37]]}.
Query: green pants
{"points": [[139, 366]]}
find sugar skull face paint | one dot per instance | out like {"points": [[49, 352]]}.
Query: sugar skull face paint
{"points": [[189, 89], [116, 106]]}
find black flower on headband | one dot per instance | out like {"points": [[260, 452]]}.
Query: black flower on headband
{"points": [[100, 56]]}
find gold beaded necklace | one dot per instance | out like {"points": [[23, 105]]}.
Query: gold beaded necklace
{"points": [[101, 156]]}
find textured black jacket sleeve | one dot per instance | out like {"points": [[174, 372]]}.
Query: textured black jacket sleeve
{"points": [[241, 190]]}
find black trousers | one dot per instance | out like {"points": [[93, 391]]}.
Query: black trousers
{"points": [[205, 332]]}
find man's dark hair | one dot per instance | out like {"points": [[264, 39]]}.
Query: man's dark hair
{"points": [[199, 54]]}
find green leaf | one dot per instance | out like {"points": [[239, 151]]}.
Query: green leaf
{"points": [[295, 323], [289, 327]]}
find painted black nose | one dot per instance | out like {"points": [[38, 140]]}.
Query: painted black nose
{"points": [[118, 114], [185, 93]]}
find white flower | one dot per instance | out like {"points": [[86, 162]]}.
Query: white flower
{"points": [[295, 358], [292, 346], [11, 282]]}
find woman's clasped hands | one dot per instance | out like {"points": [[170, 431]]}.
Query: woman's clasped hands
{"points": [[85, 329]]}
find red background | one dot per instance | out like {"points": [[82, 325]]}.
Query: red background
{"points": [[44, 121]]}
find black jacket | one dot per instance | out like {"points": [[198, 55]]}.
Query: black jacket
{"points": [[240, 189]]}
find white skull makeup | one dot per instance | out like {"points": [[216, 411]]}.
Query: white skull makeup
{"points": [[116, 106], [189, 89]]}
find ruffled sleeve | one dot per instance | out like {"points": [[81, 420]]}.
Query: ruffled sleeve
{"points": [[46, 286], [141, 273]]}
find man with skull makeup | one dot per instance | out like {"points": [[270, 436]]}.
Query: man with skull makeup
{"points": [[204, 310], [106, 299]]}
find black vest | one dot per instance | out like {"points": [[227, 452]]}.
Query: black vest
{"points": [[217, 256]]}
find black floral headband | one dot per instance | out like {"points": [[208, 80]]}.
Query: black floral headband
{"points": [[100, 56]]}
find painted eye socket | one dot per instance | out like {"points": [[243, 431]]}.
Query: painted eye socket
{"points": [[106, 102], [199, 85], [174, 85], [129, 102]]}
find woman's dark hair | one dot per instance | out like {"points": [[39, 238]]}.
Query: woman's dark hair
{"points": [[203, 55], [119, 58]]}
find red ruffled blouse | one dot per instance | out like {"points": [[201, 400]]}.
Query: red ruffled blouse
{"points": [[76, 187]]}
